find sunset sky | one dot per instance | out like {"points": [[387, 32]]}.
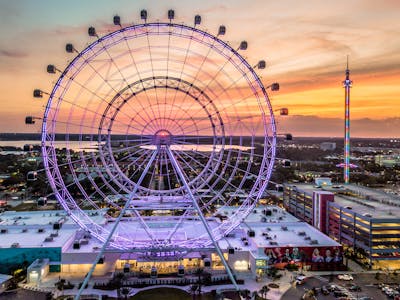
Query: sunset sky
{"points": [[305, 45]]}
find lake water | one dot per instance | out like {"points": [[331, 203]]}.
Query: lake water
{"points": [[90, 145]]}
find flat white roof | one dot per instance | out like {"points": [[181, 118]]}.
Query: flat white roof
{"points": [[289, 235], [363, 201], [15, 237], [266, 221], [43, 217], [280, 228]]}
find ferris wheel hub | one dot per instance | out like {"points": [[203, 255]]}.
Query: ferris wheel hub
{"points": [[162, 137]]}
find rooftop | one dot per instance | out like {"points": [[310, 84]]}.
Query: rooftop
{"points": [[362, 200], [280, 229], [272, 227]]}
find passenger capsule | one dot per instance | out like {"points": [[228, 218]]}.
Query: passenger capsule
{"points": [[69, 48], [171, 14], [143, 14], [31, 176], [29, 120], [221, 30], [92, 31], [51, 69], [284, 111], [197, 20], [243, 45], [286, 163], [275, 86], [261, 64], [117, 20], [37, 93]]}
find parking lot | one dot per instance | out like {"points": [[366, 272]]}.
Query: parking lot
{"points": [[362, 285]]}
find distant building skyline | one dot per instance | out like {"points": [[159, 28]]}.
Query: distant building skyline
{"points": [[305, 49]]}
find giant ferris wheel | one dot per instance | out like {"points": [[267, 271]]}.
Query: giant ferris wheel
{"points": [[164, 126]]}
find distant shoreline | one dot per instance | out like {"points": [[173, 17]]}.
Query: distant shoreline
{"points": [[75, 137]]}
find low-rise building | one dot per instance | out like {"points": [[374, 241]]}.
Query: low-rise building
{"points": [[49, 242]]}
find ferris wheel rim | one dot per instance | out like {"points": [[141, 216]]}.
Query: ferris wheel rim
{"points": [[268, 137]]}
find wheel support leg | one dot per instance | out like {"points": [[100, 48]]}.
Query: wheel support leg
{"points": [[203, 220], [122, 212]]}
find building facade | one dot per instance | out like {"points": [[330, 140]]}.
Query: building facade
{"points": [[368, 227], [48, 243]]}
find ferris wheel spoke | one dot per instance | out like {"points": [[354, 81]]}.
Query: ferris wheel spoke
{"points": [[239, 157], [82, 126], [92, 111], [166, 89], [192, 137], [178, 224], [121, 154], [201, 66], [229, 87], [201, 216], [204, 206], [218, 175], [134, 138], [138, 74], [133, 155], [170, 179], [146, 125], [198, 130], [118, 220], [102, 98], [189, 165], [139, 145], [182, 69], [153, 74], [139, 166]]}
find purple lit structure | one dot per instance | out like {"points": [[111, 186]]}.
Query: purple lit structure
{"points": [[179, 126]]}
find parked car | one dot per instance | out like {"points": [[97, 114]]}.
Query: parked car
{"points": [[300, 279], [333, 287], [325, 290], [338, 294], [316, 290], [355, 288], [345, 277]]}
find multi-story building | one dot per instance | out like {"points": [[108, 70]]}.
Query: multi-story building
{"points": [[364, 221]]}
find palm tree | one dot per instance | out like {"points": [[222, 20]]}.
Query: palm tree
{"points": [[118, 282], [193, 289], [199, 272], [245, 293], [125, 291], [254, 295]]}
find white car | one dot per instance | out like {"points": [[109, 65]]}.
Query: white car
{"points": [[300, 279], [345, 277]]}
